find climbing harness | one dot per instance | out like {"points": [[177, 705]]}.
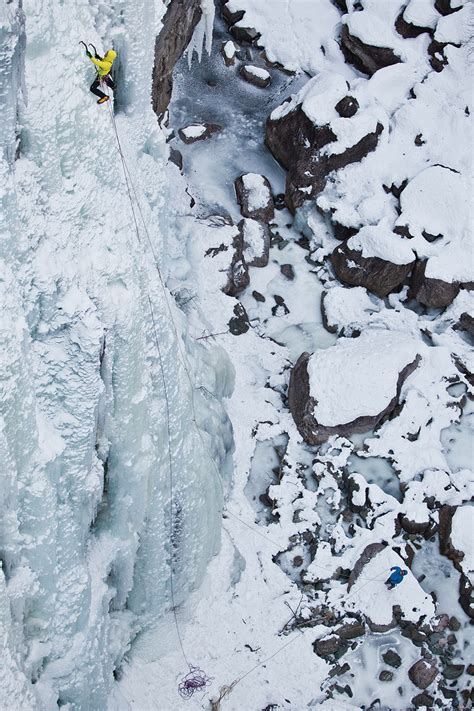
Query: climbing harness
{"points": [[195, 679]]}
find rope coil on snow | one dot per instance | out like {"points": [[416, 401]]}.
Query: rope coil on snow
{"points": [[195, 680]]}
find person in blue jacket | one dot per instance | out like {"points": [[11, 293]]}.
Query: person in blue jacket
{"points": [[396, 577]]}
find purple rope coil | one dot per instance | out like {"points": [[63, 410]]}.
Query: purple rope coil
{"points": [[195, 680]]}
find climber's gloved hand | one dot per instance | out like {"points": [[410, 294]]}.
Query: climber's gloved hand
{"points": [[88, 53]]}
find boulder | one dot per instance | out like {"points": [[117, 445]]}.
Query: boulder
{"points": [[378, 275], [386, 675], [256, 76], [315, 402], [391, 658], [347, 107], [351, 630], [255, 197], [297, 140], [238, 274], [423, 673], [408, 30], [239, 323], [435, 293], [444, 7], [364, 57], [466, 323], [256, 242], [228, 51], [245, 35], [328, 645], [179, 23], [453, 671], [288, 271], [422, 701], [231, 17], [198, 132]]}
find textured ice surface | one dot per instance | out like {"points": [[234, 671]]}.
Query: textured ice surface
{"points": [[85, 541]]}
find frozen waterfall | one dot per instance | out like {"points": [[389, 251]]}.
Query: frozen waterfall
{"points": [[84, 483]]}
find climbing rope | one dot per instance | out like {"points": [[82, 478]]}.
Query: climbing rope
{"points": [[195, 679]]}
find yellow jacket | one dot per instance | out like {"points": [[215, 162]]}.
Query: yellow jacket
{"points": [[104, 65]]}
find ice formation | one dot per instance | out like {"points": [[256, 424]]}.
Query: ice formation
{"points": [[85, 489]]}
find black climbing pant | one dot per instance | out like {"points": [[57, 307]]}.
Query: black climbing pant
{"points": [[96, 83]]}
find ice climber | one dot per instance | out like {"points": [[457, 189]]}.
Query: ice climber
{"points": [[103, 67], [396, 577]]}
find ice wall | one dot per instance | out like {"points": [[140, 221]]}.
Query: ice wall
{"points": [[84, 478]]}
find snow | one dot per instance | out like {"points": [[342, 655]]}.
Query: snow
{"points": [[375, 26], [229, 49], [421, 14], [437, 201], [373, 599], [258, 191], [462, 537], [294, 36], [379, 241], [454, 28], [194, 131], [257, 71], [254, 239], [358, 377]]}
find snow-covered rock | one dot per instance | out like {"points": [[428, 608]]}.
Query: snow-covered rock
{"points": [[375, 258], [351, 386], [254, 196], [256, 242], [256, 75], [311, 137], [380, 606], [198, 132]]}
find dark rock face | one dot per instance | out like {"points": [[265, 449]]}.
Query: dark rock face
{"points": [[251, 78], [423, 673], [434, 293], [296, 143], [266, 212], [210, 128], [178, 26], [364, 57], [302, 406], [377, 275]]}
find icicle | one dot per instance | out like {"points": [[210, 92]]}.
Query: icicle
{"points": [[203, 33]]}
